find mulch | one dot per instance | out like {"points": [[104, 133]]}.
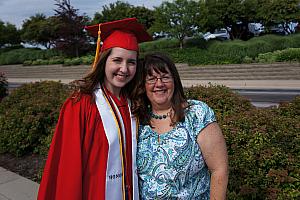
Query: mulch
{"points": [[28, 166]]}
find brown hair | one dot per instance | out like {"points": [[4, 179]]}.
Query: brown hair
{"points": [[159, 63], [89, 83]]}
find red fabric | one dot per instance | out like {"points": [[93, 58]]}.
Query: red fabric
{"points": [[129, 25], [121, 39], [77, 160], [124, 111]]}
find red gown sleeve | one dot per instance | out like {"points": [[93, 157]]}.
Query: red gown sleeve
{"points": [[63, 173]]}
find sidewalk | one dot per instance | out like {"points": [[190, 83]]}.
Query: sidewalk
{"points": [[15, 187]]}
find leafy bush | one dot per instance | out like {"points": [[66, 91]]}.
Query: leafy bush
{"points": [[269, 57], [28, 116], [158, 45], [3, 86], [290, 54], [263, 144], [286, 55], [72, 61], [198, 42], [19, 56], [87, 60], [263, 155]]}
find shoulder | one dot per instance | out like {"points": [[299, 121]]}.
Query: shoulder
{"points": [[82, 101], [199, 115], [197, 106]]}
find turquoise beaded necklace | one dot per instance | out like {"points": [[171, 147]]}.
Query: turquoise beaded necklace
{"points": [[160, 117]]}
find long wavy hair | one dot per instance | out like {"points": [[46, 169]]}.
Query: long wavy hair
{"points": [[157, 62], [89, 83]]}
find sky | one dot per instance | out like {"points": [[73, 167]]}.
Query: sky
{"points": [[16, 11]]}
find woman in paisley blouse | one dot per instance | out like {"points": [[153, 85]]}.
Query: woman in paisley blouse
{"points": [[181, 150]]}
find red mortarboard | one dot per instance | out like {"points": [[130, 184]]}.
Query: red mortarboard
{"points": [[125, 33]]}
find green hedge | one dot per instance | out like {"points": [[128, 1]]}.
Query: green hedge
{"points": [[3, 86], [263, 144], [28, 116], [263, 147], [84, 60], [19, 56], [286, 55]]}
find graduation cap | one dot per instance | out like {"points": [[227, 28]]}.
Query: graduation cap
{"points": [[125, 33]]}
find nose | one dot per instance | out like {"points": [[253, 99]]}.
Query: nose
{"points": [[124, 67], [159, 82]]}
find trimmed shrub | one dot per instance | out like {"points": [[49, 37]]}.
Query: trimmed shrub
{"points": [[28, 116], [72, 61], [158, 45], [19, 56], [263, 144], [263, 155], [286, 55], [197, 42], [87, 60], [3, 86], [290, 54], [269, 57]]}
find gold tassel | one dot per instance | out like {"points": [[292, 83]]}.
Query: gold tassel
{"points": [[98, 48]]}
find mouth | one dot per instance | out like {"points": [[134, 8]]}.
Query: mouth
{"points": [[121, 76], [159, 91]]}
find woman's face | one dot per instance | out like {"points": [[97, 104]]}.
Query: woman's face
{"points": [[160, 89], [120, 68]]}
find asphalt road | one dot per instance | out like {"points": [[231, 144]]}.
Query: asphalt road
{"points": [[268, 97]]}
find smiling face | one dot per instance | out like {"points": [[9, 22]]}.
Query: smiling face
{"points": [[160, 89], [120, 68]]}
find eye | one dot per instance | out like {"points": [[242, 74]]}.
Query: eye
{"points": [[151, 79], [132, 62], [117, 60], [166, 78]]}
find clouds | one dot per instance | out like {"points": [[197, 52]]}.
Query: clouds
{"points": [[16, 11]]}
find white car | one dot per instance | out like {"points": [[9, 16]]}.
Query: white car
{"points": [[256, 28], [285, 28], [221, 34]]}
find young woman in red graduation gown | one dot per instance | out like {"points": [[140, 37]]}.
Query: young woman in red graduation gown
{"points": [[92, 154]]}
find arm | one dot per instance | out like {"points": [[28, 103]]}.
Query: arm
{"points": [[214, 151], [62, 176]]}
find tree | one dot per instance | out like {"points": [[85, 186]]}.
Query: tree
{"points": [[9, 34], [113, 11], [38, 30], [178, 18], [210, 16], [234, 15], [279, 11], [144, 15], [71, 38], [120, 10]]}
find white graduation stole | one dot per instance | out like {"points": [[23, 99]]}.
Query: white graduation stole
{"points": [[114, 173]]}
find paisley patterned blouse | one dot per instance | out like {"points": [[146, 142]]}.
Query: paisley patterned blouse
{"points": [[172, 166]]}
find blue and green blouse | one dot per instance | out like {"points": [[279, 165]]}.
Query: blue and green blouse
{"points": [[172, 166]]}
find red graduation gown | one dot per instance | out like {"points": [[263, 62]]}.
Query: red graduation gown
{"points": [[77, 159]]}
